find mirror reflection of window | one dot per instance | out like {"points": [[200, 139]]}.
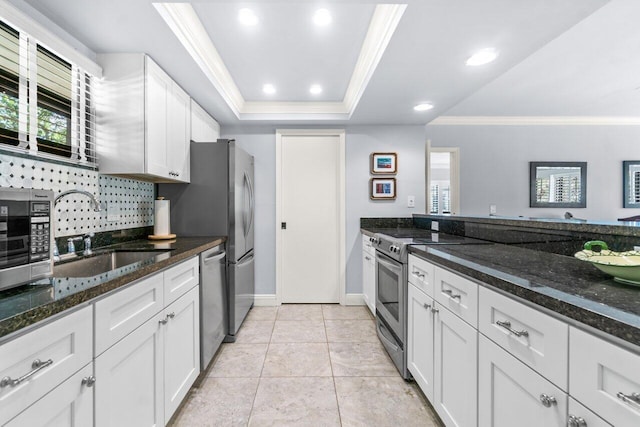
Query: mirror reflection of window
{"points": [[558, 185], [634, 183], [440, 185]]}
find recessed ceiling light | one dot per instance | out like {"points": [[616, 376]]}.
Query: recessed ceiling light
{"points": [[269, 89], [423, 107], [315, 89], [322, 17], [483, 56], [247, 17]]}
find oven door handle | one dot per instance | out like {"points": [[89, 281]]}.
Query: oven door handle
{"points": [[393, 267], [383, 336]]}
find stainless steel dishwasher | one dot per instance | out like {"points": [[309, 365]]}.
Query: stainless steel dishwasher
{"points": [[213, 307]]}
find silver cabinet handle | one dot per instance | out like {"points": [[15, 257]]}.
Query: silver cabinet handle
{"points": [[548, 401], [576, 421], [163, 321], [507, 325], [36, 366], [89, 381], [427, 306], [418, 274], [435, 310], [166, 318], [451, 294], [629, 398], [367, 258], [171, 315]]}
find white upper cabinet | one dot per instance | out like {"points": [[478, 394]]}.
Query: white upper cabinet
{"points": [[203, 127], [143, 120]]}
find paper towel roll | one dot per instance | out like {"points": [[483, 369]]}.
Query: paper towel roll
{"points": [[161, 218]]}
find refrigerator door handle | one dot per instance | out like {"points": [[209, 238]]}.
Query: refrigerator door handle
{"points": [[252, 203], [245, 221], [246, 260]]}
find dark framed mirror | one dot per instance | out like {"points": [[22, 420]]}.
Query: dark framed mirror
{"points": [[631, 183], [558, 184]]}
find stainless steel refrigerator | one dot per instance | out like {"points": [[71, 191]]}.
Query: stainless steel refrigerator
{"points": [[219, 201]]}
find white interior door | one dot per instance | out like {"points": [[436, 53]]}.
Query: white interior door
{"points": [[310, 206]]}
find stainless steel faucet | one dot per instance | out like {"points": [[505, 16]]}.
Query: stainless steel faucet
{"points": [[87, 238], [94, 203]]}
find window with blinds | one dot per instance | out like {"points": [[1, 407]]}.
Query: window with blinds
{"points": [[46, 106]]}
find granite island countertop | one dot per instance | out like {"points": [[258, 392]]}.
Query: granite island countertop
{"points": [[26, 305], [562, 284]]}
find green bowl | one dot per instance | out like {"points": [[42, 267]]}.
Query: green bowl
{"points": [[623, 266]]}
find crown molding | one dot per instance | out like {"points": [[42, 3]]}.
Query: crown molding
{"points": [[535, 121], [184, 22]]}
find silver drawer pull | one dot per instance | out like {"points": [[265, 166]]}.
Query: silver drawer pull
{"points": [[367, 258], [629, 398], [418, 274], [36, 366], [435, 310], [507, 325], [548, 401], [427, 306], [451, 294], [576, 421], [89, 381], [171, 315]]}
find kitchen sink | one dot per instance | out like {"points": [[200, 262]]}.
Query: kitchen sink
{"points": [[103, 262]]}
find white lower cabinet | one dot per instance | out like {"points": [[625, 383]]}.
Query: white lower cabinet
{"points": [[143, 378], [512, 394], [420, 339], [369, 274], [455, 393], [129, 379], [70, 404], [181, 349], [442, 357]]}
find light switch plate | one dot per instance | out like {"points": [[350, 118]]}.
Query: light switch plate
{"points": [[411, 201], [435, 226], [493, 209]]}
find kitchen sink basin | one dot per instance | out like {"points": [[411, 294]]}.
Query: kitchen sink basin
{"points": [[99, 263]]}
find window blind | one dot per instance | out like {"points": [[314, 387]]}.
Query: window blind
{"points": [[46, 105]]}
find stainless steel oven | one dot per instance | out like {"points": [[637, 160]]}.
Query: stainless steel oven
{"points": [[391, 308], [25, 235]]}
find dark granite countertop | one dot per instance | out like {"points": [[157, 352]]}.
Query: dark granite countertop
{"points": [[559, 283], [28, 304]]}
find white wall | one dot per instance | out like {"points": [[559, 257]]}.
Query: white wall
{"points": [[494, 165], [361, 141]]}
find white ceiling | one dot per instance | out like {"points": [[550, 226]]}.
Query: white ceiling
{"points": [[557, 57]]}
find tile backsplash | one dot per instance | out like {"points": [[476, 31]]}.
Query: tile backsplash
{"points": [[125, 203]]}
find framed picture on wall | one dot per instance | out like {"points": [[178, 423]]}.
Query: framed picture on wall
{"points": [[384, 163], [382, 188]]}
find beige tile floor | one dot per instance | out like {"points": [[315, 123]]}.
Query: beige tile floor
{"points": [[305, 365]]}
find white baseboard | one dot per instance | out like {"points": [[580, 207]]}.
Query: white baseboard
{"points": [[269, 300], [354, 299], [265, 300]]}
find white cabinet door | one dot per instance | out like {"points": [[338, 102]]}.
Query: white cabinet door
{"points": [[369, 279], [157, 122], [420, 339], [455, 395], [179, 134], [181, 349], [129, 386], [70, 404], [203, 127], [511, 394]]}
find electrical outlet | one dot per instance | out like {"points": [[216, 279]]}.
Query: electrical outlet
{"points": [[493, 209], [435, 226], [411, 201], [113, 211]]}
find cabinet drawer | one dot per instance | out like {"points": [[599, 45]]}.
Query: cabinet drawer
{"points": [[179, 279], [65, 342], [601, 375], [120, 313], [579, 416], [538, 340], [458, 294], [421, 274]]}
